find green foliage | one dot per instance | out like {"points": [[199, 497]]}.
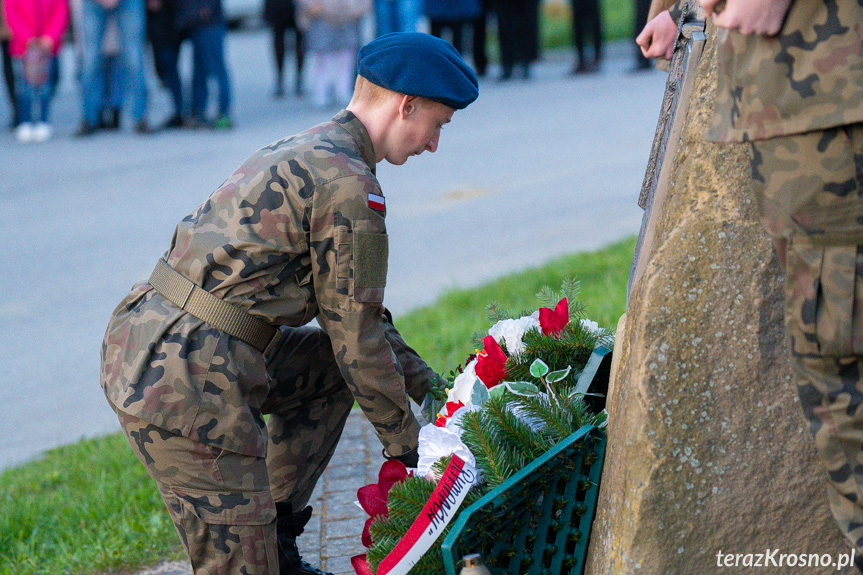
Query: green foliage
{"points": [[514, 431], [497, 460]]}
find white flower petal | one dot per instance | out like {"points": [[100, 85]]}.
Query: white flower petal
{"points": [[590, 325], [438, 442], [462, 387], [512, 331]]}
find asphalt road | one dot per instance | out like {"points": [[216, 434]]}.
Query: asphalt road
{"points": [[530, 171]]}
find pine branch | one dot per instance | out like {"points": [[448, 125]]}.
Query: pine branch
{"points": [[406, 499], [514, 431], [384, 528], [558, 423], [494, 462]]}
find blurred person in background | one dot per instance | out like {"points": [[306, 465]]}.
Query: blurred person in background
{"points": [[109, 118], [166, 41], [518, 34], [131, 19], [203, 22], [642, 10], [112, 70], [332, 36], [280, 15], [586, 20], [397, 15], [37, 28], [8, 73], [454, 16], [480, 54]]}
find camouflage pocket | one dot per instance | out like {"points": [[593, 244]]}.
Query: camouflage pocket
{"points": [[227, 531], [821, 292]]}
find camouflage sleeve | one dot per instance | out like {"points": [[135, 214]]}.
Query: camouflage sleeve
{"points": [[349, 249], [676, 10], [419, 377]]}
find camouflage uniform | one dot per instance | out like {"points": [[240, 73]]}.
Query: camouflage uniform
{"points": [[290, 236], [798, 98]]}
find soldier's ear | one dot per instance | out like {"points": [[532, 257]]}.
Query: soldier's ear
{"points": [[407, 106]]}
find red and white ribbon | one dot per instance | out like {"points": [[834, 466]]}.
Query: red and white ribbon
{"points": [[438, 511]]}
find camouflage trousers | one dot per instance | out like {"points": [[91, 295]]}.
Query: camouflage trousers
{"points": [[223, 503], [810, 193]]}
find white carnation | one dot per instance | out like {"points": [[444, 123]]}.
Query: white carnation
{"points": [[590, 325], [462, 387], [437, 442], [512, 330]]}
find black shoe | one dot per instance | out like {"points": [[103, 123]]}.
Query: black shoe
{"points": [[641, 64], [143, 127], [584, 68], [279, 92], [289, 526], [85, 129], [175, 121], [110, 119]]}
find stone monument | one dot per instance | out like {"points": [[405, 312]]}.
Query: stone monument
{"points": [[708, 451]]}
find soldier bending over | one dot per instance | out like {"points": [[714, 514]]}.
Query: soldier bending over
{"points": [[192, 360]]}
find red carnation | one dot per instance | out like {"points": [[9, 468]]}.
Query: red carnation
{"points": [[553, 321], [452, 407], [489, 363], [373, 498], [361, 565]]}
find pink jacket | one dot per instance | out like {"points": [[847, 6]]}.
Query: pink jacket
{"points": [[29, 19]]}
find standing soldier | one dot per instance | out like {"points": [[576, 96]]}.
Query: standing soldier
{"points": [[791, 84], [191, 360]]}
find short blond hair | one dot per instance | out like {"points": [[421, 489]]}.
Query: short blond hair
{"points": [[369, 93]]}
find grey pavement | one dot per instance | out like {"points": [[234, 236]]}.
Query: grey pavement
{"points": [[531, 171]]}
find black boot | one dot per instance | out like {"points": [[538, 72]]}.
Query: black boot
{"points": [[289, 525]]}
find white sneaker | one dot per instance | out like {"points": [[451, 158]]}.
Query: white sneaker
{"points": [[24, 133], [41, 132]]}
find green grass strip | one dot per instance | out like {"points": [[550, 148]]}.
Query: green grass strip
{"points": [[90, 507]]}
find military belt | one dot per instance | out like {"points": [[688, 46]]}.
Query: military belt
{"points": [[222, 315]]}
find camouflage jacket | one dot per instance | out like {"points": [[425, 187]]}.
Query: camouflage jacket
{"points": [[291, 235], [809, 77]]}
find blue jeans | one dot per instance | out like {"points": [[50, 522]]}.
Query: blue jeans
{"points": [[29, 97], [397, 15], [131, 19], [208, 42]]}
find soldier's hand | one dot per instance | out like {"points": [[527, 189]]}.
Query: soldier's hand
{"points": [[658, 37], [763, 17], [410, 459]]}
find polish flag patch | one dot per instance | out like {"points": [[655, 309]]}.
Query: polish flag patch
{"points": [[377, 202]]}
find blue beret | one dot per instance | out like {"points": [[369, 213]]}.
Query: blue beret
{"points": [[419, 64]]}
